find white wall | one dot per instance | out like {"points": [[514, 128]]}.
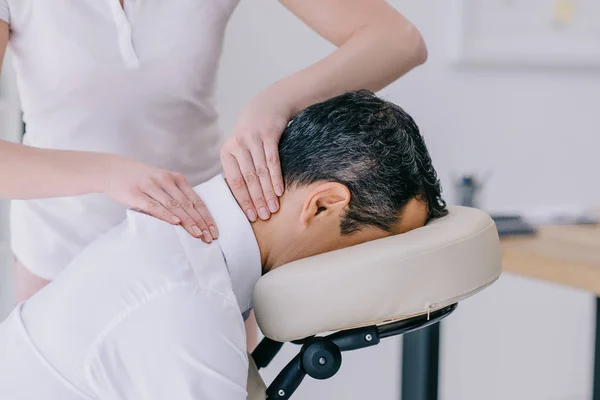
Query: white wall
{"points": [[537, 132]]}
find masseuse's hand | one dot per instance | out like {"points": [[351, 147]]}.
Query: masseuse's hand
{"points": [[250, 158], [163, 194]]}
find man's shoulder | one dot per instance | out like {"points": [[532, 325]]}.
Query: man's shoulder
{"points": [[183, 331], [139, 239], [115, 273]]}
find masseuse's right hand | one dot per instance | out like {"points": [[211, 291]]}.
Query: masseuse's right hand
{"points": [[162, 194]]}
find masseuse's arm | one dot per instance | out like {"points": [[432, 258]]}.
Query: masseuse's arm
{"points": [[185, 344], [376, 46], [27, 172]]}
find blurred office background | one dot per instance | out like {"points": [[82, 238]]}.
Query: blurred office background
{"points": [[533, 124]]}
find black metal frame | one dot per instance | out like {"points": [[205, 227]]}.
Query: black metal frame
{"points": [[420, 364], [321, 357], [596, 383]]}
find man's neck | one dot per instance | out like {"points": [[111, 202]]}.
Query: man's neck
{"points": [[263, 238], [263, 232]]}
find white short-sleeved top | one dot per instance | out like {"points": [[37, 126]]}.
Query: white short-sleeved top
{"points": [[144, 312], [4, 14], [137, 80]]}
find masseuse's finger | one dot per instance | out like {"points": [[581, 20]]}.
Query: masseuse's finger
{"points": [[166, 196], [257, 152], [152, 207], [192, 221], [272, 154], [253, 183], [236, 182], [196, 207]]}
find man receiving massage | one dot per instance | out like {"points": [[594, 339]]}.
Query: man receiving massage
{"points": [[148, 312]]}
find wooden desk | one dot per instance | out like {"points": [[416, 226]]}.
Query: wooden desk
{"points": [[567, 255]]}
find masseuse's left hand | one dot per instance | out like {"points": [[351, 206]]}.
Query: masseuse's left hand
{"points": [[250, 157], [376, 45]]}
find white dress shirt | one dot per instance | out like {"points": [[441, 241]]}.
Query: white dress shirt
{"points": [[145, 312], [137, 81]]}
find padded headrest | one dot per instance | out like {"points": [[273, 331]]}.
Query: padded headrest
{"points": [[447, 260]]}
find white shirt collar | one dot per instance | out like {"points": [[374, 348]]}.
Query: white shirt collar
{"points": [[236, 239]]}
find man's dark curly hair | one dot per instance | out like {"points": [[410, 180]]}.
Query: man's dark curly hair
{"points": [[371, 146]]}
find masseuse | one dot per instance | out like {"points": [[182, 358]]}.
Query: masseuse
{"points": [[135, 80]]}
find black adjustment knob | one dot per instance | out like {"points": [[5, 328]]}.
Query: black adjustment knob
{"points": [[321, 359]]}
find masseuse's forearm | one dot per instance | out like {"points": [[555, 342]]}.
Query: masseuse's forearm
{"points": [[377, 45], [28, 172]]}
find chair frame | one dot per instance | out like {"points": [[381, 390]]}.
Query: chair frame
{"points": [[321, 356]]}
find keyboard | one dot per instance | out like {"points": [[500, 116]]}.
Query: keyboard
{"points": [[513, 225]]}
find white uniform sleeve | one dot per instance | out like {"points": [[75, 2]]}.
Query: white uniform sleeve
{"points": [[188, 344], [4, 14]]}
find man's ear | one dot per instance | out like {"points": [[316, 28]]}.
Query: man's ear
{"points": [[328, 200]]}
